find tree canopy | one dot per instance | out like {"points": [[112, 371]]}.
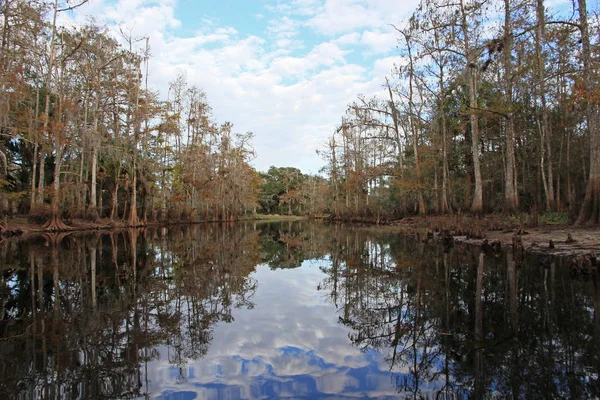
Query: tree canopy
{"points": [[491, 106], [82, 134]]}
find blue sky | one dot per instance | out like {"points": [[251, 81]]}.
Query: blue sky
{"points": [[284, 70]]}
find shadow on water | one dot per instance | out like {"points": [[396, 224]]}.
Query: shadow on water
{"points": [[95, 316]]}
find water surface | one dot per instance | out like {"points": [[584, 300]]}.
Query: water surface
{"points": [[290, 310]]}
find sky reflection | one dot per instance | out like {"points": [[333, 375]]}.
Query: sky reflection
{"points": [[289, 345], [233, 312]]}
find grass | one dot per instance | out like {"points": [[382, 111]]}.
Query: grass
{"points": [[554, 218], [277, 217], [544, 218]]}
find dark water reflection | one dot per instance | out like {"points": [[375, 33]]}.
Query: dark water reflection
{"points": [[296, 310]]}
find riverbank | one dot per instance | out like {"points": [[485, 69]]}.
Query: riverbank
{"points": [[557, 239], [17, 227]]}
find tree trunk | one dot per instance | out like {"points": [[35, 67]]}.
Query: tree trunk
{"points": [[413, 125], [590, 210], [55, 223], [477, 204], [398, 141], [446, 208], [441, 62], [133, 218], [545, 142], [33, 174], [93, 209], [511, 197], [114, 212], [471, 76], [40, 187], [35, 149]]}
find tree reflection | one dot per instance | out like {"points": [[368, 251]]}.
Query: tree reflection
{"points": [[289, 244], [83, 315], [456, 323]]}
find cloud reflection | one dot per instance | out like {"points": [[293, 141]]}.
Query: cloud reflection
{"points": [[289, 345]]}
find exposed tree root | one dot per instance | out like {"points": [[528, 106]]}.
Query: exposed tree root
{"points": [[590, 209], [6, 230], [92, 215], [54, 239], [134, 224], [55, 224]]}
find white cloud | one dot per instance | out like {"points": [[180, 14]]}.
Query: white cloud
{"points": [[379, 42], [283, 28], [348, 39], [340, 16], [384, 66], [288, 84], [288, 45], [141, 18], [290, 66], [295, 7]]}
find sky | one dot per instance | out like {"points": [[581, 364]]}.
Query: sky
{"points": [[284, 70]]}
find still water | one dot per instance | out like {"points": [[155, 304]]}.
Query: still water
{"points": [[290, 310]]}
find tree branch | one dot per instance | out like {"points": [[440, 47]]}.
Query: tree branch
{"points": [[487, 110], [70, 8]]}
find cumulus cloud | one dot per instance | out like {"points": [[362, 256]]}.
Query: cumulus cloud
{"points": [[295, 7], [379, 41], [342, 16], [289, 82], [348, 39], [283, 28]]}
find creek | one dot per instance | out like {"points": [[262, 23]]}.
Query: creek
{"points": [[290, 310]]}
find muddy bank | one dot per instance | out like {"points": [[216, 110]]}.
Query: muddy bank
{"points": [[21, 227], [549, 239], [557, 240]]}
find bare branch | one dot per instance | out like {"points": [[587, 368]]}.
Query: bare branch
{"points": [[70, 8]]}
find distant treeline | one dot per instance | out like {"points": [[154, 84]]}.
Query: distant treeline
{"points": [[492, 106]]}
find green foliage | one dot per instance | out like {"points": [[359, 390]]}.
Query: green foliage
{"points": [[554, 218], [280, 191]]}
